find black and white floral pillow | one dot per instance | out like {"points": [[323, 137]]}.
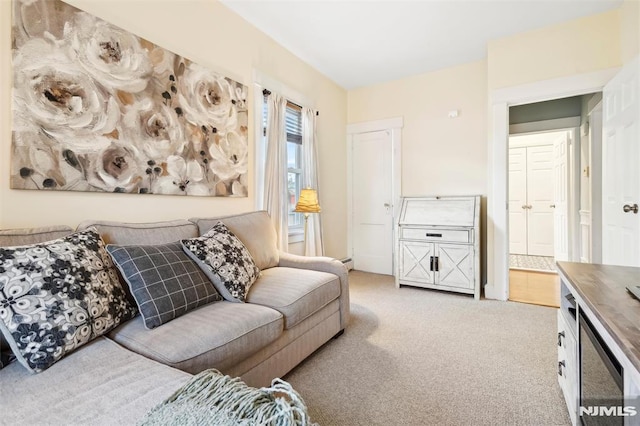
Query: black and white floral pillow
{"points": [[58, 295], [225, 260]]}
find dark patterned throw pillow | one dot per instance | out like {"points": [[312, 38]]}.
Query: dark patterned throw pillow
{"points": [[165, 282], [225, 260], [58, 295]]}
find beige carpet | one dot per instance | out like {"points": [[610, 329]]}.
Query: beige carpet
{"points": [[418, 357]]}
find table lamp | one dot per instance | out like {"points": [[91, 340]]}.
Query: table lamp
{"points": [[307, 203]]}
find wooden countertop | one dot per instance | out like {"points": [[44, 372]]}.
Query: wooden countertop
{"points": [[603, 290]]}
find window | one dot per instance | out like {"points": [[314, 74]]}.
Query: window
{"points": [[293, 125]]}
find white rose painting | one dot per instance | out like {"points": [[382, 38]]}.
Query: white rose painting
{"points": [[96, 108]]}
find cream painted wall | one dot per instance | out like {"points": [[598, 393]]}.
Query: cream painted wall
{"points": [[574, 47], [524, 65], [630, 29], [206, 32], [440, 155]]}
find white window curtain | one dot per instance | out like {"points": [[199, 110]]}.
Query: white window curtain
{"points": [[275, 180], [313, 242]]}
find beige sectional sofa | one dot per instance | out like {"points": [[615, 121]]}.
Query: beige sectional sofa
{"points": [[296, 305]]}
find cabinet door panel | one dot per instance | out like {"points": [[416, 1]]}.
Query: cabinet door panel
{"points": [[415, 258], [455, 265]]}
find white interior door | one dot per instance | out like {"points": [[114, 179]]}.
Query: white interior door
{"points": [[620, 162], [372, 202], [540, 239], [518, 200], [561, 197], [531, 189]]}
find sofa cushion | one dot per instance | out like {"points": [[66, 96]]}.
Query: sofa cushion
{"points": [[225, 260], [151, 233], [216, 335], [101, 383], [163, 280], [57, 296], [256, 232], [295, 293], [18, 237], [15, 237]]}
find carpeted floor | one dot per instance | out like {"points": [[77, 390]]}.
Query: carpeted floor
{"points": [[418, 357]]}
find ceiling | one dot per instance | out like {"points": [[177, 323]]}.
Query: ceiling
{"points": [[360, 43]]}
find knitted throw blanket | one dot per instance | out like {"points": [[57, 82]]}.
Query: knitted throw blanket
{"points": [[213, 399]]}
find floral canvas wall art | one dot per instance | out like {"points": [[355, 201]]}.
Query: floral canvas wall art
{"points": [[96, 108]]}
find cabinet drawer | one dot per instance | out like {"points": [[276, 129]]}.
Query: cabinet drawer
{"points": [[430, 234], [567, 367]]}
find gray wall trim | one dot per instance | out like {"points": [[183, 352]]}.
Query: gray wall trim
{"points": [[545, 125]]}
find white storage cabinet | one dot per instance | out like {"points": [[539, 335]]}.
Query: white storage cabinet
{"points": [[438, 243]]}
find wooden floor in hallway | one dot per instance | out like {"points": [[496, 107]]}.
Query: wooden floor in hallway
{"points": [[537, 288]]}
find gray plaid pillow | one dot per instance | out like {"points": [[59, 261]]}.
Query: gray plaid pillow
{"points": [[225, 260], [163, 280]]}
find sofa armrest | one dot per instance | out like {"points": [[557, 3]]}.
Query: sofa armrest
{"points": [[323, 264]]}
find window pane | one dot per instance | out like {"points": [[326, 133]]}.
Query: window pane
{"points": [[293, 159], [293, 121], [293, 186]]}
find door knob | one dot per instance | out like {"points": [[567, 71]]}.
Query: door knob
{"points": [[387, 206], [630, 208]]}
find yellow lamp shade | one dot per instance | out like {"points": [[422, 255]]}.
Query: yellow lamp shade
{"points": [[308, 201]]}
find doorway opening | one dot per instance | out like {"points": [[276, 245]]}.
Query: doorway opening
{"points": [[497, 286], [548, 190]]}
